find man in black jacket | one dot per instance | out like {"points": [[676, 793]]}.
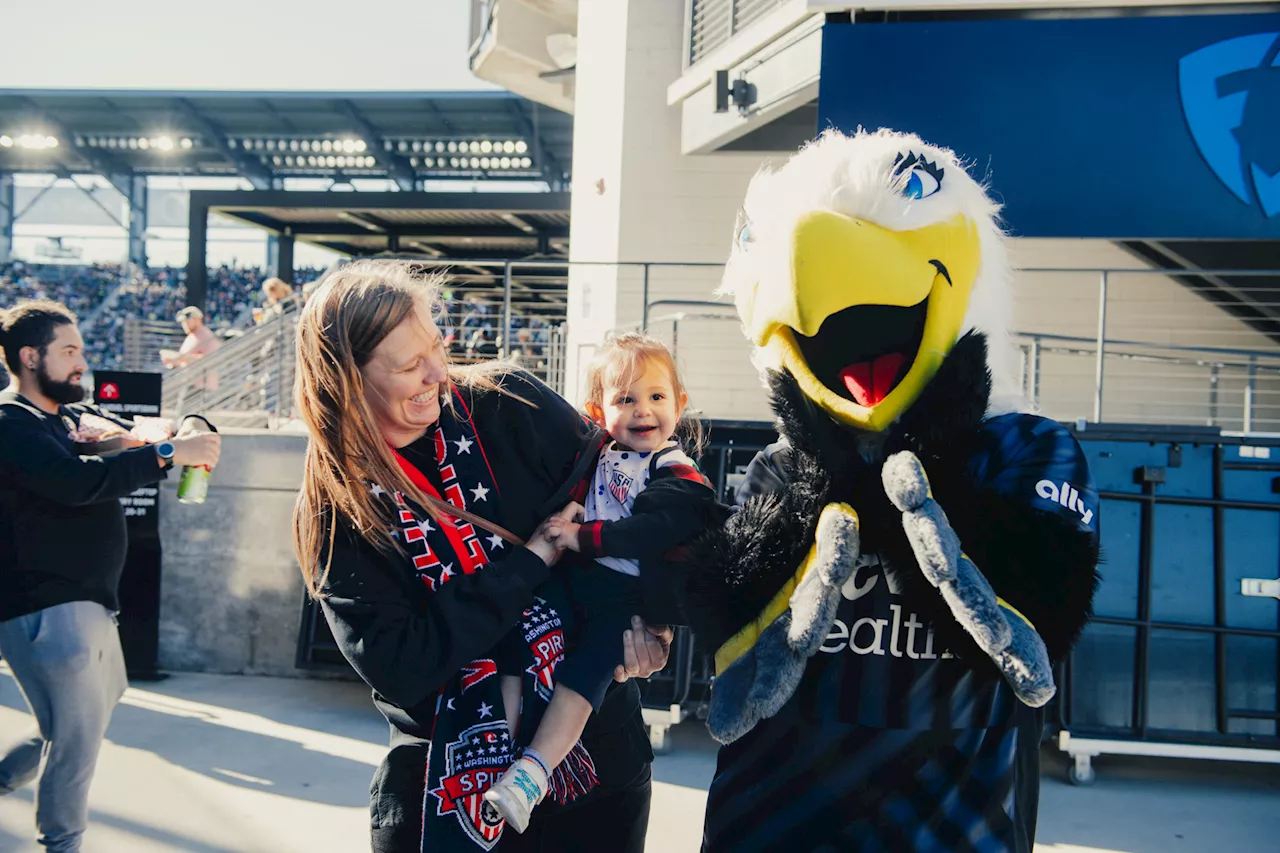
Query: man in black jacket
{"points": [[62, 548]]}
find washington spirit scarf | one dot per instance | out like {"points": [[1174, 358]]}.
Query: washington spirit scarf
{"points": [[470, 745]]}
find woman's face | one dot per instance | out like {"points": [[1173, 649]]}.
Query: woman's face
{"points": [[403, 379]]}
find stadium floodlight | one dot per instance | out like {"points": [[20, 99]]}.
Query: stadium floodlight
{"points": [[486, 147], [187, 143], [521, 146], [6, 142], [164, 143], [360, 145], [505, 162], [33, 141]]}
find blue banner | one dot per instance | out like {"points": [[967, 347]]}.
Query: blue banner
{"points": [[1116, 128]]}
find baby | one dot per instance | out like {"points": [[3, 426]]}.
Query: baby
{"points": [[645, 498]]}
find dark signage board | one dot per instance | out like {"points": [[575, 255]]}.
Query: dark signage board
{"points": [[130, 395], [1149, 127]]}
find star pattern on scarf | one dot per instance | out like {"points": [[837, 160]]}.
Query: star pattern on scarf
{"points": [[486, 710], [480, 493], [495, 541], [464, 444]]}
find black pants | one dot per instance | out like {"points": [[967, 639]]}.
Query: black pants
{"points": [[616, 821]]}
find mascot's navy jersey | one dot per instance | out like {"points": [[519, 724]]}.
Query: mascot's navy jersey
{"points": [[889, 743]]}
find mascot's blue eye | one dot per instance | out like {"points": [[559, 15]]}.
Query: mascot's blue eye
{"points": [[921, 184], [922, 178], [744, 235]]}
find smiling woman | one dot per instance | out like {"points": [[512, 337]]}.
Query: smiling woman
{"points": [[421, 483]]}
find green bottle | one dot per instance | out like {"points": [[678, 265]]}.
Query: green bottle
{"points": [[193, 484]]}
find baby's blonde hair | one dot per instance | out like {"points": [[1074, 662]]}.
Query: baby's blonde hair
{"points": [[624, 357]]}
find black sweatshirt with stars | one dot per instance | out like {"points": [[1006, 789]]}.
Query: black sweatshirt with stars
{"points": [[407, 643]]}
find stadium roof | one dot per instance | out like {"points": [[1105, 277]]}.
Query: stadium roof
{"points": [[435, 225], [265, 137]]}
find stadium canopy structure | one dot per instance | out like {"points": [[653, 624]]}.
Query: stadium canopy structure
{"points": [[477, 234], [264, 138]]}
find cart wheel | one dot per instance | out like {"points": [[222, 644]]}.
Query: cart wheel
{"points": [[1081, 772]]}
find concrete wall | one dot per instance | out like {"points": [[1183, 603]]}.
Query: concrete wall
{"points": [[231, 591], [637, 198]]}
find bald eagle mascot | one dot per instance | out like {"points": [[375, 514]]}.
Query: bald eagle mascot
{"points": [[910, 561]]}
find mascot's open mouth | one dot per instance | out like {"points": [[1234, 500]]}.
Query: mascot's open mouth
{"points": [[863, 352]]}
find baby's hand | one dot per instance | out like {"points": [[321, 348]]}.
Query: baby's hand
{"points": [[564, 534]]}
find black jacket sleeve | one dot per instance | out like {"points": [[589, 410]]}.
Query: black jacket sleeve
{"points": [[407, 646], [33, 458], [669, 512]]}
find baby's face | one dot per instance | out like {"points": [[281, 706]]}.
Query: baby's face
{"points": [[643, 415]]}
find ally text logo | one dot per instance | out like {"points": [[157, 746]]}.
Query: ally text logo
{"points": [[1231, 100]]}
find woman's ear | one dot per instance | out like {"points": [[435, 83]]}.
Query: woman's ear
{"points": [[595, 413]]}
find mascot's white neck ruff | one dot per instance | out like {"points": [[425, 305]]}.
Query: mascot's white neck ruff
{"points": [[900, 186]]}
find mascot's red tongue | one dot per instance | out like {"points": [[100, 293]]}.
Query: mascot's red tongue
{"points": [[871, 381]]}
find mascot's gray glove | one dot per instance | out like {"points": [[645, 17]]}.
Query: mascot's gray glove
{"points": [[999, 630], [759, 668]]}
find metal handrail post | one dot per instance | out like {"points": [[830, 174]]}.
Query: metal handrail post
{"points": [[506, 309], [644, 313], [1215, 373], [280, 321], [1249, 389], [1102, 336], [1035, 370]]}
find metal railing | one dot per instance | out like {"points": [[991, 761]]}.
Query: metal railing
{"points": [[1127, 346], [143, 340], [248, 381]]}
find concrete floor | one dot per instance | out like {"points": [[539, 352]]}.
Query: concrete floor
{"points": [[219, 764]]}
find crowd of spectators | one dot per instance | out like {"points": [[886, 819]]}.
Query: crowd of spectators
{"points": [[156, 294], [235, 300]]}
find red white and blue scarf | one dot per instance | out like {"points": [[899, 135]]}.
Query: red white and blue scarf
{"points": [[470, 744]]}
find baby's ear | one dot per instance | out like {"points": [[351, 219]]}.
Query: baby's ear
{"points": [[595, 413], [684, 402]]}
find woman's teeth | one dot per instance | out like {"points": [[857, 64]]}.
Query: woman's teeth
{"points": [[424, 397]]}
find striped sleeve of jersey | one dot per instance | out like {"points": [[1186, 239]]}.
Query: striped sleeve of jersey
{"points": [[673, 508]]}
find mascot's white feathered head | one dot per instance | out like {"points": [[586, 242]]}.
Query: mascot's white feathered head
{"points": [[859, 263]]}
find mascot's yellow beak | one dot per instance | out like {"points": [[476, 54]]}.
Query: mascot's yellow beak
{"points": [[869, 314]]}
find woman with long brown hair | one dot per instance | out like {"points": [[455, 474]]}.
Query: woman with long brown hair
{"points": [[421, 481]]}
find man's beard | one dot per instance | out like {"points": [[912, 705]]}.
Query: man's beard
{"points": [[63, 393]]}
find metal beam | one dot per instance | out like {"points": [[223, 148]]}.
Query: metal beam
{"points": [[197, 237], [250, 168], [284, 258], [138, 221], [6, 217], [397, 169], [416, 231], [229, 201], [541, 154]]}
